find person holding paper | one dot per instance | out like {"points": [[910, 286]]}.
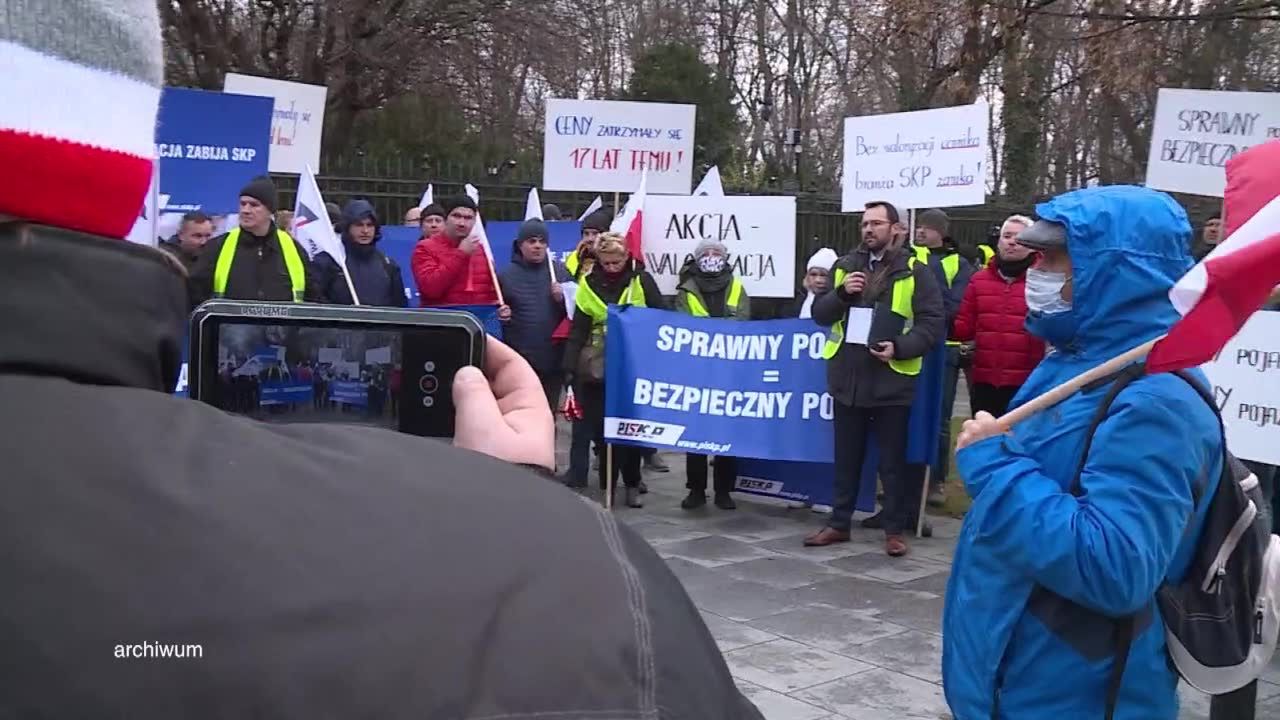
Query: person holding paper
{"points": [[709, 288], [885, 313], [537, 304], [376, 277]]}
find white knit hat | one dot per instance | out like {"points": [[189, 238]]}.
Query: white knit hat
{"points": [[824, 258], [79, 91]]}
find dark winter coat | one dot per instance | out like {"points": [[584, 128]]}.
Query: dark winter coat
{"points": [[181, 254], [535, 314], [952, 293], [132, 516], [712, 291], [993, 315], [610, 291], [376, 277], [854, 376], [258, 270]]}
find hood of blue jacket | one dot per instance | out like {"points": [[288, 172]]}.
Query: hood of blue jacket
{"points": [[354, 211], [1128, 246]]}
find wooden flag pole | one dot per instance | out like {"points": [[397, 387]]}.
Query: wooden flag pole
{"points": [[924, 495], [608, 475], [1070, 387]]}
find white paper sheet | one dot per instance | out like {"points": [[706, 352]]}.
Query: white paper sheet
{"points": [[858, 326], [570, 289]]}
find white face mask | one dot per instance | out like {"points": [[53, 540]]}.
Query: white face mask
{"points": [[711, 264], [1044, 291]]}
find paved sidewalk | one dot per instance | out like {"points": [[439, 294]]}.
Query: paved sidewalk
{"points": [[837, 633]]}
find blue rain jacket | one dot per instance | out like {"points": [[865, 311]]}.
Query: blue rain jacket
{"points": [[1103, 554]]}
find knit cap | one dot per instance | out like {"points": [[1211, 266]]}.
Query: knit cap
{"points": [[80, 86]]}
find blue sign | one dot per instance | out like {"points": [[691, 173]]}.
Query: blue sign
{"points": [[284, 392], [748, 389], [349, 392], [210, 145]]}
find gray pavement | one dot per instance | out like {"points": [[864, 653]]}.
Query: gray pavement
{"points": [[836, 633]]}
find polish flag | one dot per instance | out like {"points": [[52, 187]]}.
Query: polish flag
{"points": [[628, 223], [1220, 293]]}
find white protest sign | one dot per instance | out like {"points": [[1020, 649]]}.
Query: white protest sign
{"points": [[296, 124], [602, 145], [922, 159], [760, 233], [1246, 384], [1195, 132]]}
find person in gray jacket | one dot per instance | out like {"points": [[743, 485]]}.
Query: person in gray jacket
{"points": [[885, 313]]}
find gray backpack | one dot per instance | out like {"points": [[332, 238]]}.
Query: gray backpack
{"points": [[1223, 619]]}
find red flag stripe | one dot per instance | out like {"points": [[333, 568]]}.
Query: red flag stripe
{"points": [[1237, 284]]}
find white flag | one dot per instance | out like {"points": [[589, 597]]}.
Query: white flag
{"points": [[428, 197], [480, 236], [144, 227], [533, 208], [311, 225], [710, 185], [594, 206]]}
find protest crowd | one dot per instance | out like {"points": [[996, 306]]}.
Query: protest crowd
{"points": [[1074, 575]]}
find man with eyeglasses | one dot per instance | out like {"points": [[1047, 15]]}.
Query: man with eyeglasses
{"points": [[537, 305], [885, 313]]}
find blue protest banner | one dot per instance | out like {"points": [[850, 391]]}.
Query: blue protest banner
{"points": [[740, 367], [749, 389], [349, 392], [205, 156], [284, 392]]}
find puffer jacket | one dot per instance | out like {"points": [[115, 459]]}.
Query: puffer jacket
{"points": [[993, 315], [448, 276], [1040, 575]]}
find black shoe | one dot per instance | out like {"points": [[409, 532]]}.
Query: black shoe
{"points": [[644, 489], [694, 500], [725, 502], [633, 498], [875, 522], [926, 530], [574, 483]]}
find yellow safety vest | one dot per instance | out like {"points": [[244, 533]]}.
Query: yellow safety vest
{"points": [[950, 268], [987, 253], [903, 292], [950, 263], [697, 309], [292, 263], [571, 263], [589, 302]]}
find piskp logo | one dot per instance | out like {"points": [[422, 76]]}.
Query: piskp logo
{"points": [[648, 431], [639, 430]]}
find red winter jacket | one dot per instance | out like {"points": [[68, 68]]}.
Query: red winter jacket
{"points": [[447, 276], [993, 313]]}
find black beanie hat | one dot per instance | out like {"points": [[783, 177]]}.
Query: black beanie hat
{"points": [[598, 221], [263, 190], [432, 209], [531, 228], [455, 202]]}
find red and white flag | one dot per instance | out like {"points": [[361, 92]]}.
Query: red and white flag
{"points": [[628, 223], [1220, 293]]}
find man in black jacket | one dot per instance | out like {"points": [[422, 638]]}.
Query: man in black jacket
{"points": [[885, 313], [193, 234], [256, 261], [376, 277], [537, 305], [164, 559]]}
